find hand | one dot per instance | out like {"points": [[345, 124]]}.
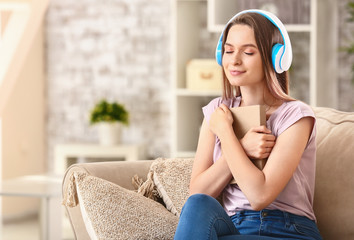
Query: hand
{"points": [[258, 142], [221, 120]]}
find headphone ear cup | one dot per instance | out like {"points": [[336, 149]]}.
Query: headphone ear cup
{"points": [[218, 54], [277, 52]]}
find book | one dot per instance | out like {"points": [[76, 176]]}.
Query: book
{"points": [[244, 119]]}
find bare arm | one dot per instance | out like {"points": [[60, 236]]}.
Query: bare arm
{"points": [[208, 178], [262, 187]]}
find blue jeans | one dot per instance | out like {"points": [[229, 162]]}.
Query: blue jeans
{"points": [[204, 218]]}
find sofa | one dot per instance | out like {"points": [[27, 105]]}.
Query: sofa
{"points": [[139, 193]]}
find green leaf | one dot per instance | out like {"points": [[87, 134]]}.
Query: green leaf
{"points": [[104, 111]]}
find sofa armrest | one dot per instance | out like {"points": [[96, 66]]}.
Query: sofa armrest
{"points": [[120, 173]]}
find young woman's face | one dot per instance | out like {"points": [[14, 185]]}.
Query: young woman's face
{"points": [[241, 60]]}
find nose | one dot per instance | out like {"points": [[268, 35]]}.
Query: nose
{"points": [[237, 59]]}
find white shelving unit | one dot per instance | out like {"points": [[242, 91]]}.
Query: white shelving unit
{"points": [[188, 19], [195, 19]]}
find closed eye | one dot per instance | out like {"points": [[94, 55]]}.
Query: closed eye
{"points": [[249, 53]]}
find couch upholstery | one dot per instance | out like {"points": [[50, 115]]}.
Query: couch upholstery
{"points": [[334, 194]]}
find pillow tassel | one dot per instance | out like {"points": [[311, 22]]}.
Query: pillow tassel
{"points": [[147, 188], [70, 196], [137, 182]]}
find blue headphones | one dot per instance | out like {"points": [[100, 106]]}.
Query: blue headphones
{"points": [[282, 55]]}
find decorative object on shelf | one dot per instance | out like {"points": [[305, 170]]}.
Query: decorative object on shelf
{"points": [[109, 117], [203, 74]]}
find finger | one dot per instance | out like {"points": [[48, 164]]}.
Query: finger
{"points": [[220, 110], [271, 137], [262, 155], [224, 107], [268, 149], [265, 155], [269, 144], [261, 129], [268, 137]]}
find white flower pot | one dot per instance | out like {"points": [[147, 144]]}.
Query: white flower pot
{"points": [[109, 133]]}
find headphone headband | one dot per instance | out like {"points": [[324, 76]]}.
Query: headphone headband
{"points": [[281, 54]]}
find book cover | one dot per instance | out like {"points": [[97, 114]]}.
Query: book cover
{"points": [[246, 118]]}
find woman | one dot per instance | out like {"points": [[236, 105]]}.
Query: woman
{"points": [[273, 203]]}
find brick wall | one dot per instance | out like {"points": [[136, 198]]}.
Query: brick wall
{"points": [[117, 50]]}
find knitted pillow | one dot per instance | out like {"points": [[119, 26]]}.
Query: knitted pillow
{"points": [[112, 212], [170, 179]]}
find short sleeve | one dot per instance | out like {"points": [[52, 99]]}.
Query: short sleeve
{"points": [[294, 111], [216, 102], [210, 108]]}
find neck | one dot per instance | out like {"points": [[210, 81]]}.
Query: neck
{"points": [[258, 96]]}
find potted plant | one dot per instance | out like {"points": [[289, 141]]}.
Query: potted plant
{"points": [[110, 117]]}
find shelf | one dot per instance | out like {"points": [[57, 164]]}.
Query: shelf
{"points": [[293, 13], [64, 152], [298, 27], [185, 154], [289, 28], [191, 0]]}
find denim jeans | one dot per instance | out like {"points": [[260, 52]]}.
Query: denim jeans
{"points": [[204, 218]]}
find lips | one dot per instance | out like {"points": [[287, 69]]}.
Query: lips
{"points": [[236, 72]]}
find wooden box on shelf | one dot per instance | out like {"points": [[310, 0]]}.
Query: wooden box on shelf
{"points": [[203, 74]]}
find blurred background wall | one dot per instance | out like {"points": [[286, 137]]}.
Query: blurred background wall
{"points": [[345, 61], [117, 50], [121, 50]]}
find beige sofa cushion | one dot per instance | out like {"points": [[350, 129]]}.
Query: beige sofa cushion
{"points": [[168, 179], [172, 177], [112, 212], [334, 193]]}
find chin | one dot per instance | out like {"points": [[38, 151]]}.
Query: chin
{"points": [[236, 82]]}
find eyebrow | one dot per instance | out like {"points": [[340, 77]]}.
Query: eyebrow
{"points": [[244, 45]]}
